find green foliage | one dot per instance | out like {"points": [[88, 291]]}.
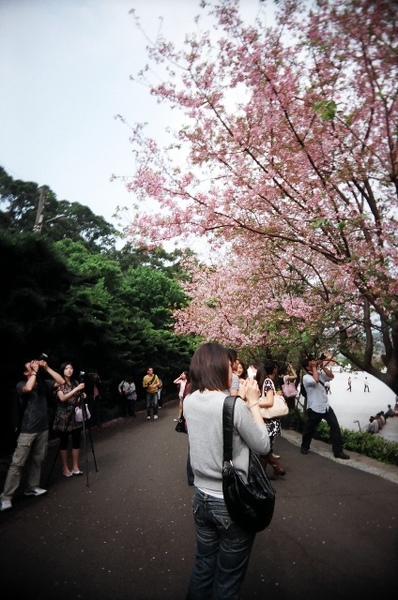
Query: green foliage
{"points": [[326, 109], [70, 294], [19, 202], [167, 262], [31, 300]]}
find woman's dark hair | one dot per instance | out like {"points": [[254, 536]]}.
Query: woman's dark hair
{"points": [[63, 367], [233, 355], [209, 368], [264, 371], [260, 375], [284, 370], [244, 372], [187, 389], [269, 366]]}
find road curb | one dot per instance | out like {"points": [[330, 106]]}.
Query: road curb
{"points": [[357, 461]]}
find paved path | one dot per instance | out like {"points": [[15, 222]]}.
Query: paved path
{"points": [[128, 535]]}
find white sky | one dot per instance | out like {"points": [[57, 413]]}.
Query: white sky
{"points": [[65, 69]]}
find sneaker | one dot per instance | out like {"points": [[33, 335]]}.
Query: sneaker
{"points": [[156, 417], [37, 491], [175, 420], [148, 418], [5, 505], [304, 451], [276, 455]]}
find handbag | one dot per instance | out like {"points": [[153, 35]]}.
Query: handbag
{"points": [[278, 409], [289, 390], [79, 414], [250, 505], [181, 426]]}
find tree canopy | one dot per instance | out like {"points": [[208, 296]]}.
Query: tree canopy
{"points": [[287, 157], [19, 202], [71, 294]]}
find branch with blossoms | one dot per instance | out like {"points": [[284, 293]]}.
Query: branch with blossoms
{"points": [[287, 155]]}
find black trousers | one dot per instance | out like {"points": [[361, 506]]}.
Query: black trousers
{"points": [[313, 420]]}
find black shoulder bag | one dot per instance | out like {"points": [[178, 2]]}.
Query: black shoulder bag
{"points": [[250, 505], [181, 426]]}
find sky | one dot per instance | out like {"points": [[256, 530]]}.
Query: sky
{"points": [[65, 68]]}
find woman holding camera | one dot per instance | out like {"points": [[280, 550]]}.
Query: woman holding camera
{"points": [[222, 547], [69, 398]]}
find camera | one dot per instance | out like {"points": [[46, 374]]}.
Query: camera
{"points": [[317, 360], [81, 376], [42, 356], [251, 372]]}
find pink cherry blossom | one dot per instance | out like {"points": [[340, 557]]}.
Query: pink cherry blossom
{"points": [[286, 156]]}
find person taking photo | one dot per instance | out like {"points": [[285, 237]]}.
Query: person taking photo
{"points": [[33, 437]]}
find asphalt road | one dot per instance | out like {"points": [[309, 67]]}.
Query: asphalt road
{"points": [[128, 534]]}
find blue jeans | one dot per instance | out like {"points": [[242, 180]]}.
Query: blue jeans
{"points": [[151, 402], [222, 551]]}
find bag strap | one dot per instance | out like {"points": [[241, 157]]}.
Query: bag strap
{"points": [[227, 423]]}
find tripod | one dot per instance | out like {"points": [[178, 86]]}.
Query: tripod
{"points": [[86, 427], [85, 418]]}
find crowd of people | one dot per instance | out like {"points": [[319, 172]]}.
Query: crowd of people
{"points": [[377, 421], [222, 547]]}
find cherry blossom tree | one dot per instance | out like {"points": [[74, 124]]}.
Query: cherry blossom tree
{"points": [[287, 157]]}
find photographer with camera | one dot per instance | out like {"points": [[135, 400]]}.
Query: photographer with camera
{"points": [[33, 437], [69, 397], [318, 408]]}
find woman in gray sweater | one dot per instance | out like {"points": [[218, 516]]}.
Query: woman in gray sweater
{"points": [[222, 547]]}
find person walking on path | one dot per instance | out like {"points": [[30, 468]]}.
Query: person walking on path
{"points": [[33, 438], [318, 407], [150, 383], [366, 385], [349, 384]]}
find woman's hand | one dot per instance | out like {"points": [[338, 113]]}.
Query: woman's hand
{"points": [[249, 391]]}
